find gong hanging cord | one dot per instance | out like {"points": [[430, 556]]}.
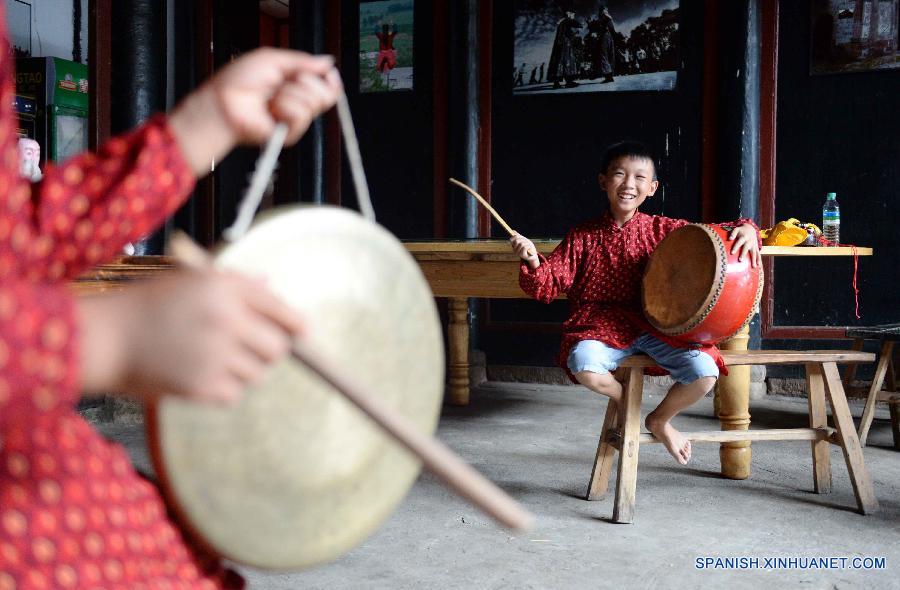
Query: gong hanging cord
{"points": [[268, 159]]}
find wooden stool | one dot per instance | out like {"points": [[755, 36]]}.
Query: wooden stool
{"points": [[888, 334], [822, 379]]}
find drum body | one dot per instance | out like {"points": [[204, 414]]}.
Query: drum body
{"points": [[695, 290], [295, 475]]}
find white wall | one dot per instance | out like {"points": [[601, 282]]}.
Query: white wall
{"points": [[51, 27]]}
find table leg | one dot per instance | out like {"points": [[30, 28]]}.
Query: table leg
{"points": [[733, 409], [458, 337]]}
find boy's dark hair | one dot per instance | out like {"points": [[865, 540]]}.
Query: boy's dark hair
{"points": [[627, 149]]}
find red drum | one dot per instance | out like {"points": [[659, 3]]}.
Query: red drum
{"points": [[695, 290]]}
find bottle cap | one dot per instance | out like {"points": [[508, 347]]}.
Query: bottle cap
{"points": [[830, 196]]}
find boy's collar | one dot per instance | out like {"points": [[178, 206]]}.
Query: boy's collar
{"points": [[607, 219]]}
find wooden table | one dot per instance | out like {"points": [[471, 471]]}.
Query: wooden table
{"points": [[459, 270]]}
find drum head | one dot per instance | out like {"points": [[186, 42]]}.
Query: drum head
{"points": [[679, 282], [295, 475]]}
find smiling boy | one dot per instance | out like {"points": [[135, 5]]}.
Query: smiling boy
{"points": [[599, 266]]}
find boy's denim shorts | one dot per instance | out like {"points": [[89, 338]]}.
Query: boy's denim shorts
{"points": [[685, 365]]}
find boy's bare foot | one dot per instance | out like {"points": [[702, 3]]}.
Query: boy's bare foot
{"points": [[678, 446]]}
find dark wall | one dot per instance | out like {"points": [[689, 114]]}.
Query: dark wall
{"points": [[547, 147], [546, 152], [395, 132], [235, 31], [836, 133]]}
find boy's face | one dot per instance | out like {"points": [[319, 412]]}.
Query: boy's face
{"points": [[628, 182]]}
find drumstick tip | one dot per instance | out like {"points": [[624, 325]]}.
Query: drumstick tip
{"points": [[523, 521]]}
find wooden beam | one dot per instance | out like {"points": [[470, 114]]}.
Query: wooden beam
{"points": [[768, 102], [440, 23], [99, 71], [811, 434], [485, 59], [709, 125], [772, 357]]}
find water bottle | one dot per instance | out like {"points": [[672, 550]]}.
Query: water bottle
{"points": [[831, 219]]}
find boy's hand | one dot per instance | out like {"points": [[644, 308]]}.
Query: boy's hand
{"points": [[203, 335], [242, 103], [524, 249], [746, 241]]}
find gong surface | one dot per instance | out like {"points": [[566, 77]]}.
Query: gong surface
{"points": [[295, 475]]}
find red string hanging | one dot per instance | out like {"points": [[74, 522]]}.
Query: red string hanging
{"points": [[828, 243]]}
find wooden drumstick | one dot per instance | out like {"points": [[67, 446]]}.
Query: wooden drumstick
{"points": [[435, 456], [492, 211], [487, 205]]}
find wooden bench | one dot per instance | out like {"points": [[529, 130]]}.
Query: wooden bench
{"points": [[887, 334], [823, 380]]}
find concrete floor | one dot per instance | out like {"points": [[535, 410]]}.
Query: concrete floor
{"points": [[538, 443]]}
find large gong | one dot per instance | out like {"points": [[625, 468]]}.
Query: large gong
{"points": [[295, 475]]}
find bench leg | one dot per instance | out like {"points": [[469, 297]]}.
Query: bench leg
{"points": [[884, 361], [818, 418], [891, 375], [599, 481], [894, 405], [850, 370], [626, 481], [853, 455]]}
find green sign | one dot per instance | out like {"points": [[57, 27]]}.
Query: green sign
{"points": [[70, 84]]}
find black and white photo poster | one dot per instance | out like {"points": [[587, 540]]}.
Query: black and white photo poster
{"points": [[595, 46]]}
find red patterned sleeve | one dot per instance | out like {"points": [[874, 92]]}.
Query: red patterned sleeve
{"points": [[38, 352], [82, 213], [556, 273], [85, 210]]}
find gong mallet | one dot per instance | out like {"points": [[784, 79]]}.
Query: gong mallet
{"points": [[509, 230], [436, 457]]}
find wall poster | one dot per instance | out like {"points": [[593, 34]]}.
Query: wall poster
{"points": [[386, 45], [591, 46], [853, 36]]}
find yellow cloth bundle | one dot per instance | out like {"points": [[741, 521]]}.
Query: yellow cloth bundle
{"points": [[792, 232]]}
